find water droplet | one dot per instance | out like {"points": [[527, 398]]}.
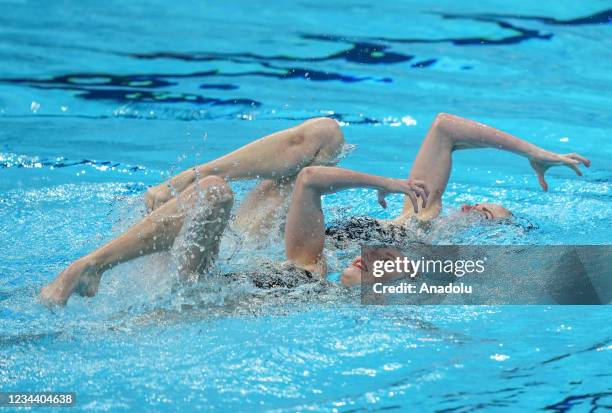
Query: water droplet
{"points": [[409, 121]]}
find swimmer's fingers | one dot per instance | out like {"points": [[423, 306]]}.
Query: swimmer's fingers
{"points": [[425, 188], [420, 192], [542, 181], [579, 158], [381, 199], [421, 189], [573, 160], [574, 166], [570, 160], [546, 160], [413, 199], [406, 187], [540, 169], [418, 182]]}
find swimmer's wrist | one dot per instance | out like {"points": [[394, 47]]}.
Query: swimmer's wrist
{"points": [[535, 152], [540, 153]]}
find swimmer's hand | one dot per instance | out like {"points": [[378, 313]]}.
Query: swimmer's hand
{"points": [[156, 196], [412, 188], [544, 160]]}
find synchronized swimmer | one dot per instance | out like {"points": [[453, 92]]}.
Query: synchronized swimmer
{"points": [[296, 164]]}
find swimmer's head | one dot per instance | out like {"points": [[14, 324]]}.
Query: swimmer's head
{"points": [[487, 211], [351, 275]]}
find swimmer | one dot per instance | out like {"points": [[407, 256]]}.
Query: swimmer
{"points": [[432, 165], [296, 163]]}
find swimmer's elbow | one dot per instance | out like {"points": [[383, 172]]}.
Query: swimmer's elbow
{"points": [[443, 128], [444, 121], [309, 176]]}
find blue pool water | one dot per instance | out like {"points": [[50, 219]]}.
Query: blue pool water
{"points": [[98, 100]]}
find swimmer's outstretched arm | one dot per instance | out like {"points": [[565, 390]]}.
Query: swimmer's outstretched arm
{"points": [[278, 156], [450, 132], [305, 230]]}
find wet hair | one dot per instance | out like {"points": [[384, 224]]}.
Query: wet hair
{"points": [[364, 229], [368, 230], [520, 222], [270, 275]]}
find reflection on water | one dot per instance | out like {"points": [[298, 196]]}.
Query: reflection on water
{"points": [[368, 51]]}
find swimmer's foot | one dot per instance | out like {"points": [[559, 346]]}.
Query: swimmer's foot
{"points": [[81, 277]]}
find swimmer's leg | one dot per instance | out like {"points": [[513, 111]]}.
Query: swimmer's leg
{"points": [[264, 208], [275, 157], [154, 233], [197, 245], [267, 202]]}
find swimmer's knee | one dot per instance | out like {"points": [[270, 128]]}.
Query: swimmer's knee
{"points": [[213, 181], [328, 136], [326, 128], [333, 138], [218, 188]]}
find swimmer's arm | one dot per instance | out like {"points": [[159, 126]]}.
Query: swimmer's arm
{"points": [[449, 133], [305, 229], [324, 180], [464, 133]]}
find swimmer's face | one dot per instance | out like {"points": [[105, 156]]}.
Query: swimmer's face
{"points": [[351, 275], [487, 211]]}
